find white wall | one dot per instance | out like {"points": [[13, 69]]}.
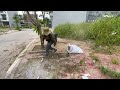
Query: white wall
{"points": [[60, 17]]}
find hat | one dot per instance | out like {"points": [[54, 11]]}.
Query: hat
{"points": [[46, 31]]}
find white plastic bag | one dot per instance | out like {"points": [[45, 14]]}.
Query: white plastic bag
{"points": [[74, 49]]}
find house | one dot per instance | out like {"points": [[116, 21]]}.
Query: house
{"points": [[6, 18], [61, 17]]}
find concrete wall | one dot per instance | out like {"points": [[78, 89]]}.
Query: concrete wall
{"points": [[10, 17], [61, 17]]}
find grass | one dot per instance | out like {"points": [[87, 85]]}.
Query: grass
{"points": [[3, 30], [106, 50], [103, 32], [112, 74], [73, 31], [95, 58], [114, 61], [82, 62]]}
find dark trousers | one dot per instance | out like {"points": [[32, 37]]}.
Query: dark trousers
{"points": [[48, 47]]}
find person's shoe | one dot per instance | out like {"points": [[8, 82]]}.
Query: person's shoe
{"points": [[55, 50]]}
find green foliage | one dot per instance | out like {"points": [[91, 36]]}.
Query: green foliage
{"points": [[105, 32], [40, 21], [17, 19], [94, 58], [115, 61], [82, 62], [73, 31], [35, 29], [105, 49], [110, 73], [46, 21]]}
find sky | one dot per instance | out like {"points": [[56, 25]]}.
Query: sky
{"points": [[38, 13]]}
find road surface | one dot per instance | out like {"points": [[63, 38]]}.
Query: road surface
{"points": [[11, 45]]}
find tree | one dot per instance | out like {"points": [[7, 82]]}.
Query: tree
{"points": [[17, 21], [37, 26], [46, 20]]}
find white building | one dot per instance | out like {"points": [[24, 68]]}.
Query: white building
{"points": [[6, 18], [61, 17]]}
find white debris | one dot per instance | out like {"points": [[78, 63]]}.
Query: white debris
{"points": [[74, 49], [93, 61], [113, 33], [85, 77], [42, 60], [37, 77]]}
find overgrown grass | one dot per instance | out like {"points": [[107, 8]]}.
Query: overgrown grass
{"points": [[110, 73], [106, 49], [4, 29], [73, 31], [104, 32]]}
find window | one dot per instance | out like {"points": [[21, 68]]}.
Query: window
{"points": [[6, 24], [4, 17]]}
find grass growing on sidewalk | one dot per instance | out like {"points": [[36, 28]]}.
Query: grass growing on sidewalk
{"points": [[110, 73]]}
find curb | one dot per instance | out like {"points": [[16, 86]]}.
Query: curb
{"points": [[10, 72]]}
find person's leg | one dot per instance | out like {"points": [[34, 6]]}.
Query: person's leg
{"points": [[51, 48], [48, 47], [56, 35]]}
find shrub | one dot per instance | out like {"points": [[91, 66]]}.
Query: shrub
{"points": [[105, 31], [73, 31]]}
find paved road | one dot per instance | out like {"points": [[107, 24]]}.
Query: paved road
{"points": [[11, 45]]}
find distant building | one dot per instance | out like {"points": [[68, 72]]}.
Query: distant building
{"points": [[61, 17], [6, 18]]}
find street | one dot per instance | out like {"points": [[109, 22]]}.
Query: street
{"points": [[11, 45]]}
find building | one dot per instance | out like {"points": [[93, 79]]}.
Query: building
{"points": [[61, 17], [6, 18]]}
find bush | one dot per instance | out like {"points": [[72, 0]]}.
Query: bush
{"points": [[73, 31], [105, 32]]}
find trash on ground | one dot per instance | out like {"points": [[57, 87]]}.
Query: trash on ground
{"points": [[42, 60], [38, 77], [85, 77], [93, 61], [74, 49], [86, 74]]}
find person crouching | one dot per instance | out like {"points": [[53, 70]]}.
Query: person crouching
{"points": [[50, 38]]}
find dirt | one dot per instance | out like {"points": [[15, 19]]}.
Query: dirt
{"points": [[60, 66]]}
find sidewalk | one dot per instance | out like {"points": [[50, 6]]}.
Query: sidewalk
{"points": [[57, 66]]}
